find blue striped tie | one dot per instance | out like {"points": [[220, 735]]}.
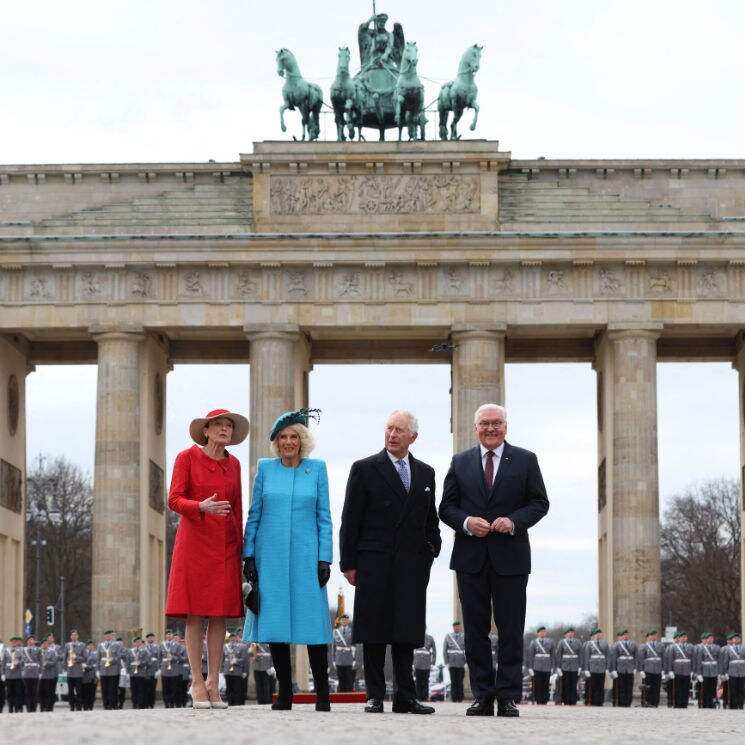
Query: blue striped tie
{"points": [[404, 474]]}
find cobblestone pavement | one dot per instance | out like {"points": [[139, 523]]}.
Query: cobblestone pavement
{"points": [[347, 724]]}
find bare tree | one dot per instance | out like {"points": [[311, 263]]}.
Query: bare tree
{"points": [[700, 547], [59, 499]]}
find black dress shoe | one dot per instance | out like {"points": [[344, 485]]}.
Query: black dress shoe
{"points": [[412, 707], [374, 706], [480, 708], [507, 708]]}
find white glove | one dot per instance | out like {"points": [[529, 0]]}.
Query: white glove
{"points": [[531, 672], [553, 678], [586, 673], [3, 678], [271, 672], [700, 678], [671, 676], [157, 673], [642, 674], [245, 675], [614, 674], [559, 672], [724, 677]]}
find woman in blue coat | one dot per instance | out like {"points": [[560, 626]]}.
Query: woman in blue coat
{"points": [[288, 551]]}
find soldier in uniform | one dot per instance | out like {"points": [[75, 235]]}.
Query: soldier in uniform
{"points": [[73, 661], [621, 665], [706, 671], [49, 674], [454, 656], [186, 674], [649, 665], [678, 664], [233, 667], [123, 683], [261, 659], [31, 673], [170, 671], [424, 659], [153, 668], [245, 653], [2, 676], [344, 655], [566, 664], [732, 669], [58, 650], [540, 663], [90, 676], [594, 664], [13, 661], [138, 667], [109, 667]]}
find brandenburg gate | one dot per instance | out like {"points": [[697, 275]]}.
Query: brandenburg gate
{"points": [[304, 253]]}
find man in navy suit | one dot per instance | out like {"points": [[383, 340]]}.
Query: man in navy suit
{"points": [[493, 493], [388, 539]]}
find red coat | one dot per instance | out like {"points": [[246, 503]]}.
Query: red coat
{"points": [[205, 575]]}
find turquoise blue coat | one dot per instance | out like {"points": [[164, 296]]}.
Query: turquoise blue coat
{"points": [[288, 532]]}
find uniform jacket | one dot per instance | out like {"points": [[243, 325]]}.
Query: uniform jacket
{"points": [[594, 656], [454, 649], [649, 657], [706, 660], [732, 661], [566, 654], [75, 653], [622, 657], [344, 649], [518, 492], [678, 658], [288, 532], [540, 654], [426, 656], [391, 538]]}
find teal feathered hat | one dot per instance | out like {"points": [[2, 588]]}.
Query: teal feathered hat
{"points": [[301, 416]]}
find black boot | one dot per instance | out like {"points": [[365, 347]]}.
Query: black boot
{"points": [[283, 669], [318, 656]]}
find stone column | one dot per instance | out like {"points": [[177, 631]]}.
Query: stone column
{"points": [[628, 499], [279, 366], [13, 369], [740, 366], [117, 509]]}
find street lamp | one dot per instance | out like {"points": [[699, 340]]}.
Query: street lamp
{"points": [[38, 543]]}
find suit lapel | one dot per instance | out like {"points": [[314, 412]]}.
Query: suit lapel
{"points": [[504, 466], [477, 468], [390, 475]]}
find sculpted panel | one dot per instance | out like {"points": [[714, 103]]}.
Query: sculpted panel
{"points": [[39, 287], [373, 195]]}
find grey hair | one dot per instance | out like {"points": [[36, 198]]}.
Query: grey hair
{"points": [[483, 407], [413, 421], [307, 441]]}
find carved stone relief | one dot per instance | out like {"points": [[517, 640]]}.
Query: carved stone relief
{"points": [[348, 285], [295, 284], [399, 284], [502, 281], [192, 284], [39, 287], [11, 495], [247, 284], [326, 195], [156, 491], [90, 286], [660, 283], [557, 282], [610, 282], [141, 285], [710, 283]]}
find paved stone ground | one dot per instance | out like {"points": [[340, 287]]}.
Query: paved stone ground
{"points": [[347, 724]]}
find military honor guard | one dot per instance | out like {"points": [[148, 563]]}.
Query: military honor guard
{"points": [[244, 650], [90, 676], [73, 661], [454, 657], [171, 657], [138, 666], [184, 683], [49, 674], [424, 659], [566, 664], [732, 669], [233, 667], [58, 651], [153, 668], [594, 664], [706, 671], [677, 663], [621, 665], [649, 665], [110, 653], [261, 662], [13, 661], [31, 673], [540, 664], [344, 654]]}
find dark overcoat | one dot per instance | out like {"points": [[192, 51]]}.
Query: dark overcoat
{"points": [[390, 538]]}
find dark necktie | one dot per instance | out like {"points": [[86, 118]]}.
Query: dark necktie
{"points": [[489, 469]]}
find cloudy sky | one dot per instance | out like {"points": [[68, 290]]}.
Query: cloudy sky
{"points": [[163, 81]]}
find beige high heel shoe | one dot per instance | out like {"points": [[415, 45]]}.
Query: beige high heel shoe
{"points": [[199, 704]]}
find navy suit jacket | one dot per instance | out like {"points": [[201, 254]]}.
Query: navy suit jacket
{"points": [[518, 492]]}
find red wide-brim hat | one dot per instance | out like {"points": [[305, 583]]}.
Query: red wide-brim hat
{"points": [[240, 426]]}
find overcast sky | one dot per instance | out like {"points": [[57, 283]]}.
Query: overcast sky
{"points": [[164, 81]]}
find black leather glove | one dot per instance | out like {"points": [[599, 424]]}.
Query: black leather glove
{"points": [[324, 573], [249, 570]]}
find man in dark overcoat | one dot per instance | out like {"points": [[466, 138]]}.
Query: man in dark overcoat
{"points": [[388, 539]]}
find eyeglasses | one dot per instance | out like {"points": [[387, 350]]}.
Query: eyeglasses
{"points": [[496, 424]]}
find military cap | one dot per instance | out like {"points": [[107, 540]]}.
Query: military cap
{"points": [[456, 623], [540, 628], [149, 634], [568, 629], [706, 634], [651, 632], [109, 631], [596, 630], [137, 638]]}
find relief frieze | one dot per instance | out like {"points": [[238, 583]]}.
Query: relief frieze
{"points": [[141, 285], [660, 283], [348, 285], [246, 284], [374, 195]]}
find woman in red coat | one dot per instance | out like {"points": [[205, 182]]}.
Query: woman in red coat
{"points": [[205, 580]]}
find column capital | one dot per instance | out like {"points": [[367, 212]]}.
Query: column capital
{"points": [[473, 332], [112, 332], [616, 331], [283, 331]]}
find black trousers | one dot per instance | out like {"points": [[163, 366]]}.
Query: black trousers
{"points": [[456, 683], [541, 686], [88, 694], [346, 678], [483, 595], [233, 689], [151, 684], [74, 693], [31, 693], [421, 678], [138, 691], [16, 695], [264, 686], [623, 689], [736, 693], [171, 685], [47, 693], [110, 691], [2, 696], [651, 686], [681, 691], [403, 680], [568, 687], [595, 689]]}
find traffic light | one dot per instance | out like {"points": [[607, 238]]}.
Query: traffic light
{"points": [[50, 615]]}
